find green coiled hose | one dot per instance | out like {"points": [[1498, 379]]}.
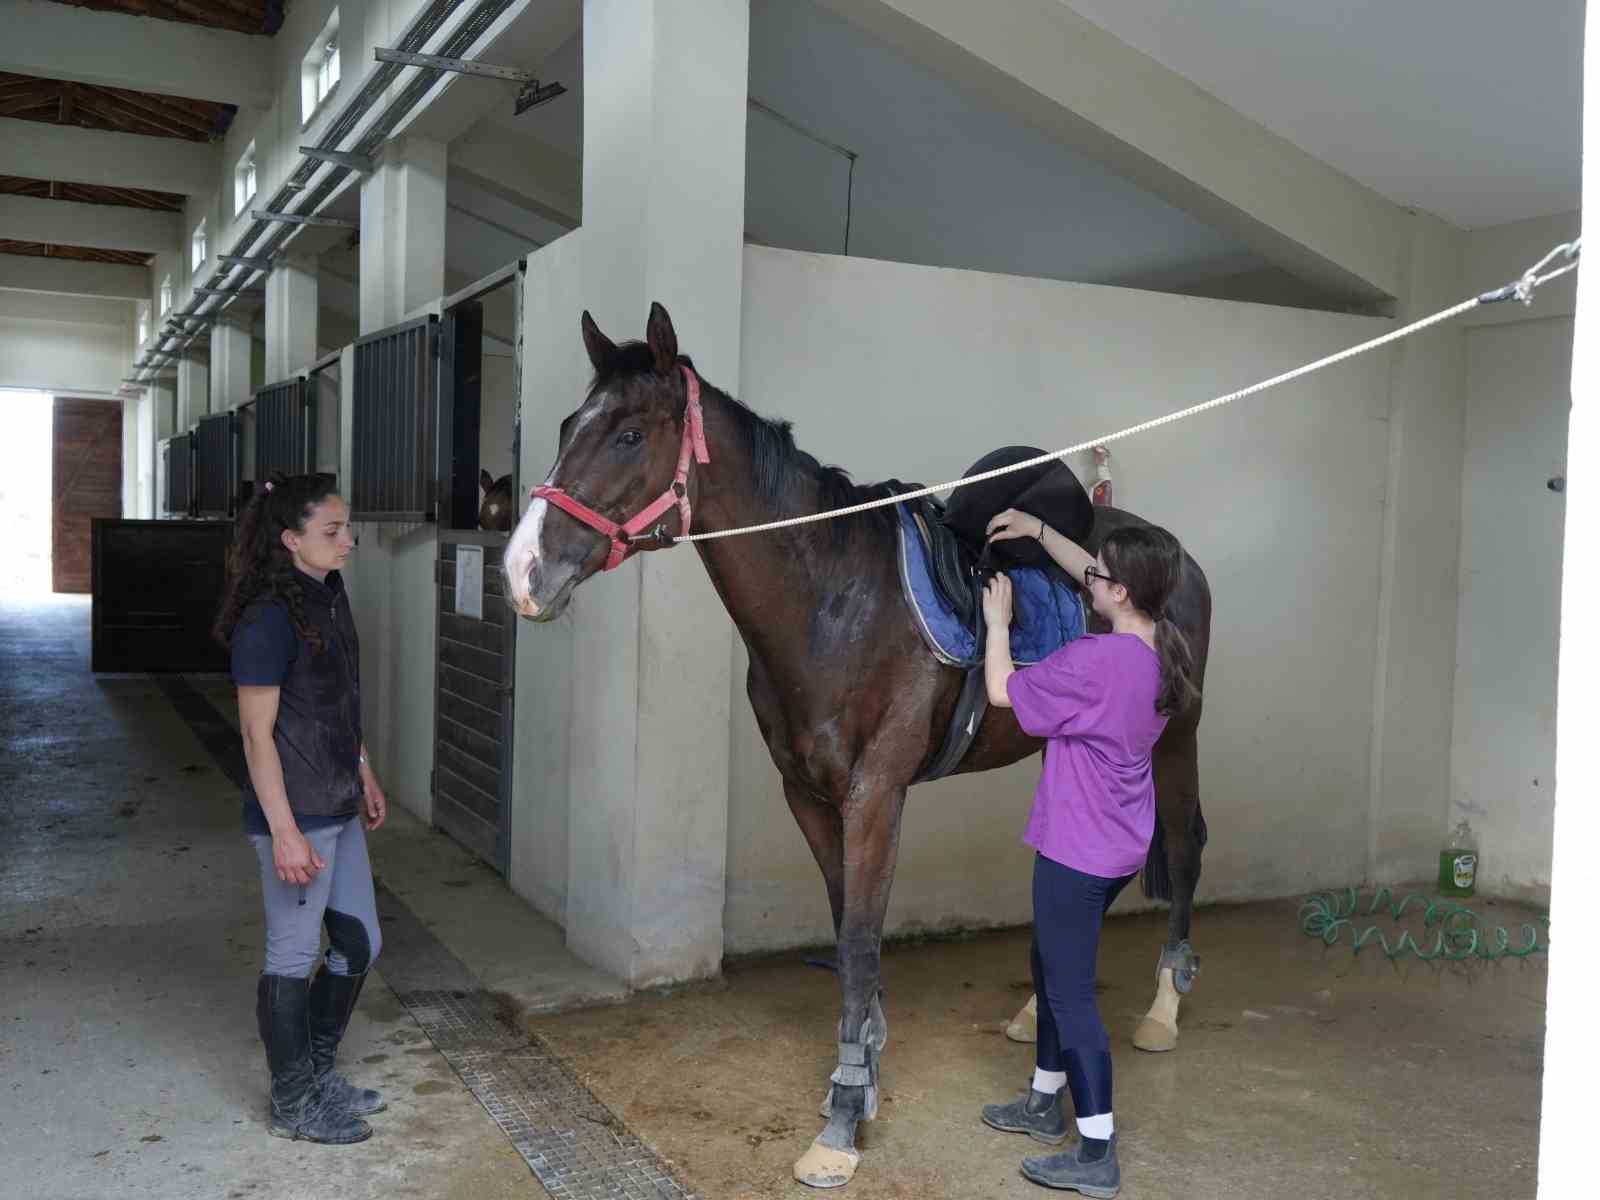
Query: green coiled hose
{"points": [[1327, 915]]}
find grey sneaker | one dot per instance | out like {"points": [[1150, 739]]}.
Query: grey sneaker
{"points": [[1039, 1115], [1101, 1179]]}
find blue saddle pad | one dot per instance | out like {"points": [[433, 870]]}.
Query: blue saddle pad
{"points": [[1048, 613]]}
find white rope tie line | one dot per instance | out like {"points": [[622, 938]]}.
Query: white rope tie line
{"points": [[1522, 289]]}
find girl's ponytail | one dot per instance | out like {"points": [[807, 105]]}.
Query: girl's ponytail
{"points": [[1148, 562], [1178, 691]]}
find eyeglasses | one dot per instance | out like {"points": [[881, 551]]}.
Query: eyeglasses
{"points": [[1090, 574]]}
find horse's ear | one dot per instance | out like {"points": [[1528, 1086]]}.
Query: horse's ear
{"points": [[485, 480], [600, 347], [663, 339]]}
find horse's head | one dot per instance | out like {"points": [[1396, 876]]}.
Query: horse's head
{"points": [[495, 510], [621, 469]]}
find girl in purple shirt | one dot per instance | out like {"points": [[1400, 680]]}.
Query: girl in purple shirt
{"points": [[1100, 702]]}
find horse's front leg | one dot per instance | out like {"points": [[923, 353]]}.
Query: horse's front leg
{"points": [[1177, 777], [871, 838]]}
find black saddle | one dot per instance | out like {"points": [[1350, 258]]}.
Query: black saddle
{"points": [[955, 535]]}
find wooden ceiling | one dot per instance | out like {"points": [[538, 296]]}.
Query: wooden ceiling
{"points": [[87, 193], [58, 102], [241, 16], [79, 253]]}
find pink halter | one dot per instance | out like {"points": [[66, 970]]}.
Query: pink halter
{"points": [[622, 536]]}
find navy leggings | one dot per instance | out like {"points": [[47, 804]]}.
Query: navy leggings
{"points": [[1068, 909]]}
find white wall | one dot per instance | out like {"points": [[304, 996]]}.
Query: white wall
{"points": [[555, 377], [64, 343], [1502, 765], [915, 371]]}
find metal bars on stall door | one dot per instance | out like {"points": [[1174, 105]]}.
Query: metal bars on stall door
{"points": [[285, 430], [393, 423], [216, 465]]}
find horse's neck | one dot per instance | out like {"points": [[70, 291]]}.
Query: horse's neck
{"points": [[770, 586]]}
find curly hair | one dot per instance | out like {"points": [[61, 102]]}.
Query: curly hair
{"points": [[259, 563], [1148, 561]]}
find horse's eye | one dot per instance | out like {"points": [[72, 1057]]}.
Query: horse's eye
{"points": [[629, 437]]}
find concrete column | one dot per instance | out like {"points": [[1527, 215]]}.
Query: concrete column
{"points": [[1565, 1138], [663, 219], [230, 364], [164, 396], [194, 391], [402, 232], [1414, 685], [291, 317]]}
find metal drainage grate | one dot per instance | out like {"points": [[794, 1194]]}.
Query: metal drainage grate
{"points": [[576, 1147]]}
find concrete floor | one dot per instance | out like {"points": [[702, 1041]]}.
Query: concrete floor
{"points": [[1301, 1071], [129, 1065], [130, 938]]}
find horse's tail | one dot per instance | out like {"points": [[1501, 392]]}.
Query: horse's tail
{"points": [[1156, 878]]}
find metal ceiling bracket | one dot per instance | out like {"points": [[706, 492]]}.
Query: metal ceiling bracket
{"points": [[344, 158], [262, 214], [461, 66]]}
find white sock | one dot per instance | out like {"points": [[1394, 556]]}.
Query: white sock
{"points": [[1099, 1127], [1048, 1082]]}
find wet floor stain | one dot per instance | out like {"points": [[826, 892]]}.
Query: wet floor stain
{"points": [[431, 1087]]}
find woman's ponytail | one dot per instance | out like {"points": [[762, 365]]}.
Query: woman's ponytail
{"points": [[1148, 562], [259, 562], [1178, 691]]}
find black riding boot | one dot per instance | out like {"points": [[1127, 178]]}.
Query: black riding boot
{"points": [[301, 1109], [333, 999]]}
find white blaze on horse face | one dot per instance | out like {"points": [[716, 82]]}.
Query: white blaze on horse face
{"points": [[525, 550]]}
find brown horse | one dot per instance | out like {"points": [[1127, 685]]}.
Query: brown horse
{"points": [[496, 512], [851, 704]]}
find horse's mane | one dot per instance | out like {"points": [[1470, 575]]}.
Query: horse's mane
{"points": [[778, 467]]}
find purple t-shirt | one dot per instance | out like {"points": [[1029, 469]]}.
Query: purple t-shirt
{"points": [[1095, 700]]}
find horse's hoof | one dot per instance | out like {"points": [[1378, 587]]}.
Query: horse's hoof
{"points": [[1155, 1037], [1024, 1026], [824, 1167]]}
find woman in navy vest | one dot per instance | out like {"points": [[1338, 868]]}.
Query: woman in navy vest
{"points": [[311, 795]]}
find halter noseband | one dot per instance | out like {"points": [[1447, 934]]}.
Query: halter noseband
{"points": [[622, 536]]}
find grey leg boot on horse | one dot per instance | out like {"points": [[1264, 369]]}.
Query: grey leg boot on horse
{"points": [[332, 1000], [302, 1110]]}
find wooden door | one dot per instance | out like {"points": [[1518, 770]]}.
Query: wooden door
{"points": [[86, 483]]}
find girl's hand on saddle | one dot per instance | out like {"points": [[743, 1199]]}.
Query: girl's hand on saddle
{"points": [[997, 601], [295, 859], [1014, 523]]}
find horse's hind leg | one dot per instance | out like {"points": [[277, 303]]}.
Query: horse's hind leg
{"points": [[871, 838], [1177, 779]]}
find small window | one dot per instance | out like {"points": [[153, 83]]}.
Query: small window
{"points": [[144, 324], [244, 179], [197, 247], [166, 295], [319, 70]]}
